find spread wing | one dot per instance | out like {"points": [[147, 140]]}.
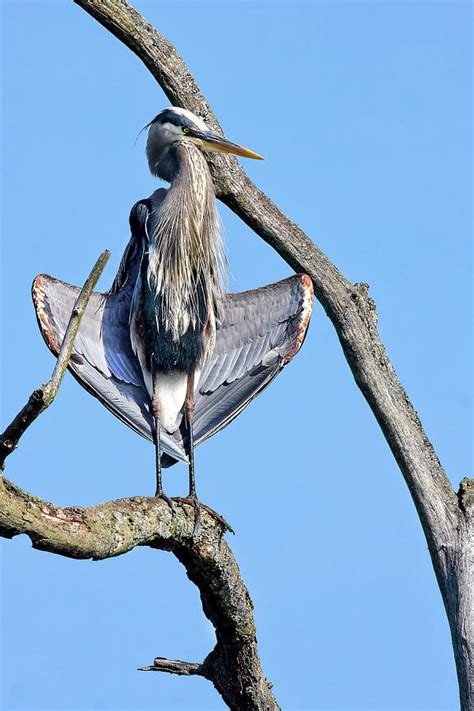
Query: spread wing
{"points": [[258, 333], [102, 359]]}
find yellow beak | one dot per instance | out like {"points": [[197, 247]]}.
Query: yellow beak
{"points": [[211, 141]]}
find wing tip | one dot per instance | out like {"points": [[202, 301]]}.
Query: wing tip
{"points": [[38, 292], [305, 316]]}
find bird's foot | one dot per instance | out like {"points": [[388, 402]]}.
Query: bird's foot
{"points": [[167, 500], [197, 506]]}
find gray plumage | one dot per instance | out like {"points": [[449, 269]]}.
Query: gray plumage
{"points": [[159, 307]]}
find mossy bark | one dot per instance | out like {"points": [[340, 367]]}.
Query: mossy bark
{"points": [[116, 527]]}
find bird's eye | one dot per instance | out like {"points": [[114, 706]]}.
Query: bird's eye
{"points": [[185, 129]]}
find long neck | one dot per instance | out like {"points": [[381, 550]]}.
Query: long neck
{"points": [[186, 255]]}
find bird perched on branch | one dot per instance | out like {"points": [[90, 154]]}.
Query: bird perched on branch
{"points": [[166, 349]]}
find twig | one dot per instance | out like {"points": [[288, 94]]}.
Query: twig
{"points": [[174, 666], [42, 398]]}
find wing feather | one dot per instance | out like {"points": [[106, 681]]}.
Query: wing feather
{"points": [[258, 334]]}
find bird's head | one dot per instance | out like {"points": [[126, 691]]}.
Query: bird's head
{"points": [[173, 126]]}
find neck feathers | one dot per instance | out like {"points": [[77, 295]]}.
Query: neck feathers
{"points": [[186, 256]]}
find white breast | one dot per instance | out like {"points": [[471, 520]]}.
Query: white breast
{"points": [[171, 396], [171, 389]]}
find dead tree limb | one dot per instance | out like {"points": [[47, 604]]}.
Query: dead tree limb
{"points": [[117, 527], [445, 523], [42, 398], [175, 666]]}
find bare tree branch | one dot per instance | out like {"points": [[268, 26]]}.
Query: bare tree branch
{"points": [[117, 527], [42, 398], [175, 666], [353, 315]]}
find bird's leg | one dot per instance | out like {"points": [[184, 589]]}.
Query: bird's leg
{"points": [[155, 404], [188, 413], [192, 498]]}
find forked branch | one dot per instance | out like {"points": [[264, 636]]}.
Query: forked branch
{"points": [[117, 527]]}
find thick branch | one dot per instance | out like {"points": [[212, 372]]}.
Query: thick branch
{"points": [[95, 533], [42, 398], [116, 527]]}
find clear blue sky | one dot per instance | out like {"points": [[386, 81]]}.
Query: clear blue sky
{"points": [[362, 110]]}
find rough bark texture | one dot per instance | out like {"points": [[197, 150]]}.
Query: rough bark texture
{"points": [[113, 528], [457, 560], [116, 527]]}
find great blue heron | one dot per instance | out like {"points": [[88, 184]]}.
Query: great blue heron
{"points": [[166, 349]]}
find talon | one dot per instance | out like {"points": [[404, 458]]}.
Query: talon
{"points": [[197, 519], [167, 500], [193, 501], [197, 506]]}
